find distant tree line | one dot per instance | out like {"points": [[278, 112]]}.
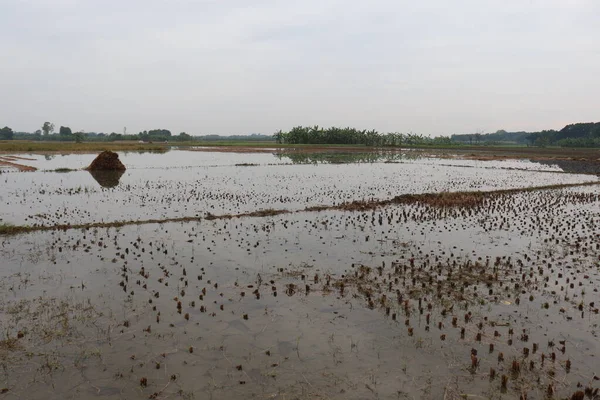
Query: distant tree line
{"points": [[573, 135], [65, 134], [335, 135]]}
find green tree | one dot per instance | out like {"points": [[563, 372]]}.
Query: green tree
{"points": [[278, 136], [184, 137], [48, 128], [79, 137], [532, 137], [6, 133], [65, 131]]}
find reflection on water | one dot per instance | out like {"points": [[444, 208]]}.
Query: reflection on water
{"points": [[107, 179], [344, 157]]}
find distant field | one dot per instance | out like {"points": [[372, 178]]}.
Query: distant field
{"points": [[27, 146], [503, 151]]}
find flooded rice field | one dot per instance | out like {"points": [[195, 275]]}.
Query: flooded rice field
{"points": [[466, 296], [187, 183]]}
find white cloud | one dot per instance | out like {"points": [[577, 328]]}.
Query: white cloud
{"points": [[434, 67]]}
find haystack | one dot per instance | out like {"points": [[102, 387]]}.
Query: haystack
{"points": [[106, 161]]}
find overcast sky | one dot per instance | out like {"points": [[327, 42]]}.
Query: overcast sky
{"points": [[242, 66]]}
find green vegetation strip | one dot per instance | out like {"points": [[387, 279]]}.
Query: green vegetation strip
{"points": [[444, 199], [62, 170], [439, 200], [8, 229], [71, 147]]}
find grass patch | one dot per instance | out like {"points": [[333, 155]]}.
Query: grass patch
{"points": [[63, 170], [444, 199], [10, 344], [260, 213], [9, 229]]}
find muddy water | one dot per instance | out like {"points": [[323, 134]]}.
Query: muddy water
{"points": [[99, 314]]}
